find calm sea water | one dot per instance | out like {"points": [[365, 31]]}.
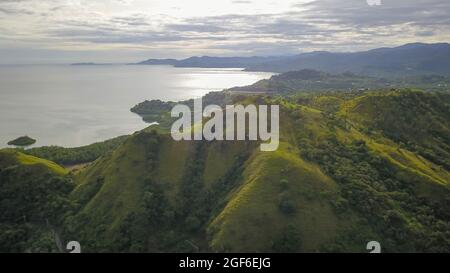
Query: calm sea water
{"points": [[77, 105]]}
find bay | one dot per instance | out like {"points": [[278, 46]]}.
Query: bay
{"points": [[72, 106]]}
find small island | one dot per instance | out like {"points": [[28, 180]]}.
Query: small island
{"points": [[22, 141]]}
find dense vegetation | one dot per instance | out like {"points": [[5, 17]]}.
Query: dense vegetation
{"points": [[339, 180], [78, 155], [157, 111], [351, 167], [33, 201], [312, 81]]}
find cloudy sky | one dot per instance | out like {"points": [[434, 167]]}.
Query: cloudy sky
{"points": [[60, 31]]}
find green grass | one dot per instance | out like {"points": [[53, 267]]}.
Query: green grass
{"points": [[252, 220], [237, 206], [123, 174], [172, 161], [24, 159]]}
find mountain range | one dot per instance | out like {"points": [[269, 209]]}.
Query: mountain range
{"points": [[409, 59]]}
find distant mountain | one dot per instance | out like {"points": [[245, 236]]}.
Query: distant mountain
{"points": [[410, 59], [158, 62], [406, 60], [213, 62]]}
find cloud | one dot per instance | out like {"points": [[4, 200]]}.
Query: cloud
{"points": [[15, 11], [358, 13], [236, 27], [200, 28], [244, 2]]}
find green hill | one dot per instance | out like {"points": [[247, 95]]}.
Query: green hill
{"points": [[351, 167], [308, 80], [33, 202], [416, 120], [338, 180]]}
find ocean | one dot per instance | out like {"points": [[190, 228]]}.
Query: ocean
{"points": [[72, 106]]}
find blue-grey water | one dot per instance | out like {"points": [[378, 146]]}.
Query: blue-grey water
{"points": [[77, 105]]}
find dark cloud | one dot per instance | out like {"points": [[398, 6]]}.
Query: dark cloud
{"points": [[357, 13], [426, 33]]}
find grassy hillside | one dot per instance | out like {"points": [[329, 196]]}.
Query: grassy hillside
{"points": [[415, 120], [77, 155], [33, 202], [351, 167], [339, 179]]}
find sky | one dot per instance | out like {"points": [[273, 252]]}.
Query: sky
{"points": [[65, 31]]}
